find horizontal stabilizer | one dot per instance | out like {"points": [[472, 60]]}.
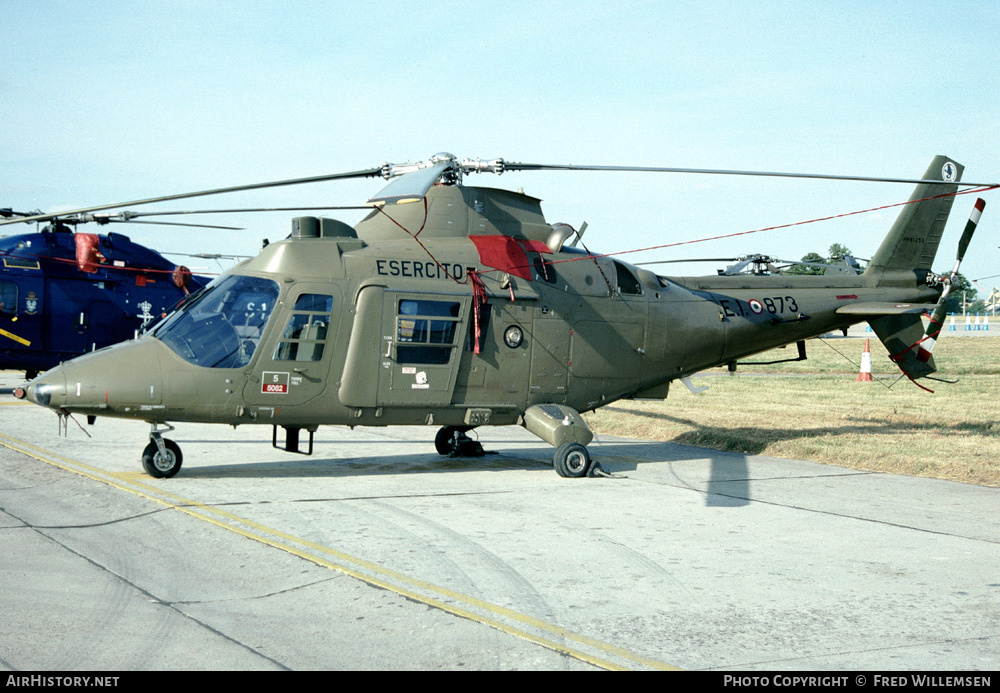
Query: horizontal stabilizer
{"points": [[875, 308]]}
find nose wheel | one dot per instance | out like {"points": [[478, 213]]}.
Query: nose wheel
{"points": [[162, 464], [162, 457]]}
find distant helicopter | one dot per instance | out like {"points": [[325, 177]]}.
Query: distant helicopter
{"points": [[760, 265], [467, 308], [64, 293]]}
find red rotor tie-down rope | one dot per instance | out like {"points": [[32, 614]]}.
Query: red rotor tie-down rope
{"points": [[478, 299], [414, 237], [784, 226]]}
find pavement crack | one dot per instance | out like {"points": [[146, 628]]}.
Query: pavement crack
{"points": [[287, 590], [818, 511], [106, 523], [743, 666], [149, 595]]}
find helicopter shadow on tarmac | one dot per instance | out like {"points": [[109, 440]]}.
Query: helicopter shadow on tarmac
{"points": [[727, 485], [372, 463], [729, 476], [728, 482]]}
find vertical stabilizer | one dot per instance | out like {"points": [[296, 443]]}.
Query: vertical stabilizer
{"points": [[913, 240]]}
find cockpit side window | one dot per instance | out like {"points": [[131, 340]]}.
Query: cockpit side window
{"points": [[304, 338], [8, 298], [223, 326], [627, 283]]}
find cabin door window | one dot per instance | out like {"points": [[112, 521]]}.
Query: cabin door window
{"points": [[423, 335]]}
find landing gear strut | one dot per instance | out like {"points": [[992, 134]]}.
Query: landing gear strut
{"points": [[563, 428], [451, 441], [162, 457]]}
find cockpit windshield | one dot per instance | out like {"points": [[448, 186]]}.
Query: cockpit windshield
{"points": [[222, 327]]}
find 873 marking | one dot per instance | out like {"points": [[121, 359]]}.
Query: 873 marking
{"points": [[772, 305]]}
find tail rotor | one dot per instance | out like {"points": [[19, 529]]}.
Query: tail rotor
{"points": [[937, 317]]}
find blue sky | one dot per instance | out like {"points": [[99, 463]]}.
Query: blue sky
{"points": [[113, 101]]}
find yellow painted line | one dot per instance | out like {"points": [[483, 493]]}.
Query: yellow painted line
{"points": [[19, 340], [376, 574], [14, 404], [128, 476]]}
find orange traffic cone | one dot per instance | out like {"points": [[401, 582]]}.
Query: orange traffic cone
{"points": [[865, 375]]}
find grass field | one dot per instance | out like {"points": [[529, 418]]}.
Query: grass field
{"points": [[814, 410]]}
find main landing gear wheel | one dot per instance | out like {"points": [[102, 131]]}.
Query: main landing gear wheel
{"points": [[571, 460], [451, 441], [162, 465]]}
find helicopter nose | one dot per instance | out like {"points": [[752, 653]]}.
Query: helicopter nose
{"points": [[47, 390], [124, 375]]}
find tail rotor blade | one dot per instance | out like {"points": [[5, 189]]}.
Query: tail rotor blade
{"points": [[970, 228], [937, 317]]}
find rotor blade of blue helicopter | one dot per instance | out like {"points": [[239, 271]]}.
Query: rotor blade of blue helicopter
{"points": [[174, 223], [365, 173]]}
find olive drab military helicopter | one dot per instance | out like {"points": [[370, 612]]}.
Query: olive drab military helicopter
{"points": [[456, 307]]}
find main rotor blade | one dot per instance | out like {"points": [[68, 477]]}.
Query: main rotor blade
{"points": [[8, 213], [133, 215], [210, 256], [515, 166], [412, 185], [129, 215], [699, 259], [174, 223], [738, 267], [365, 173]]}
